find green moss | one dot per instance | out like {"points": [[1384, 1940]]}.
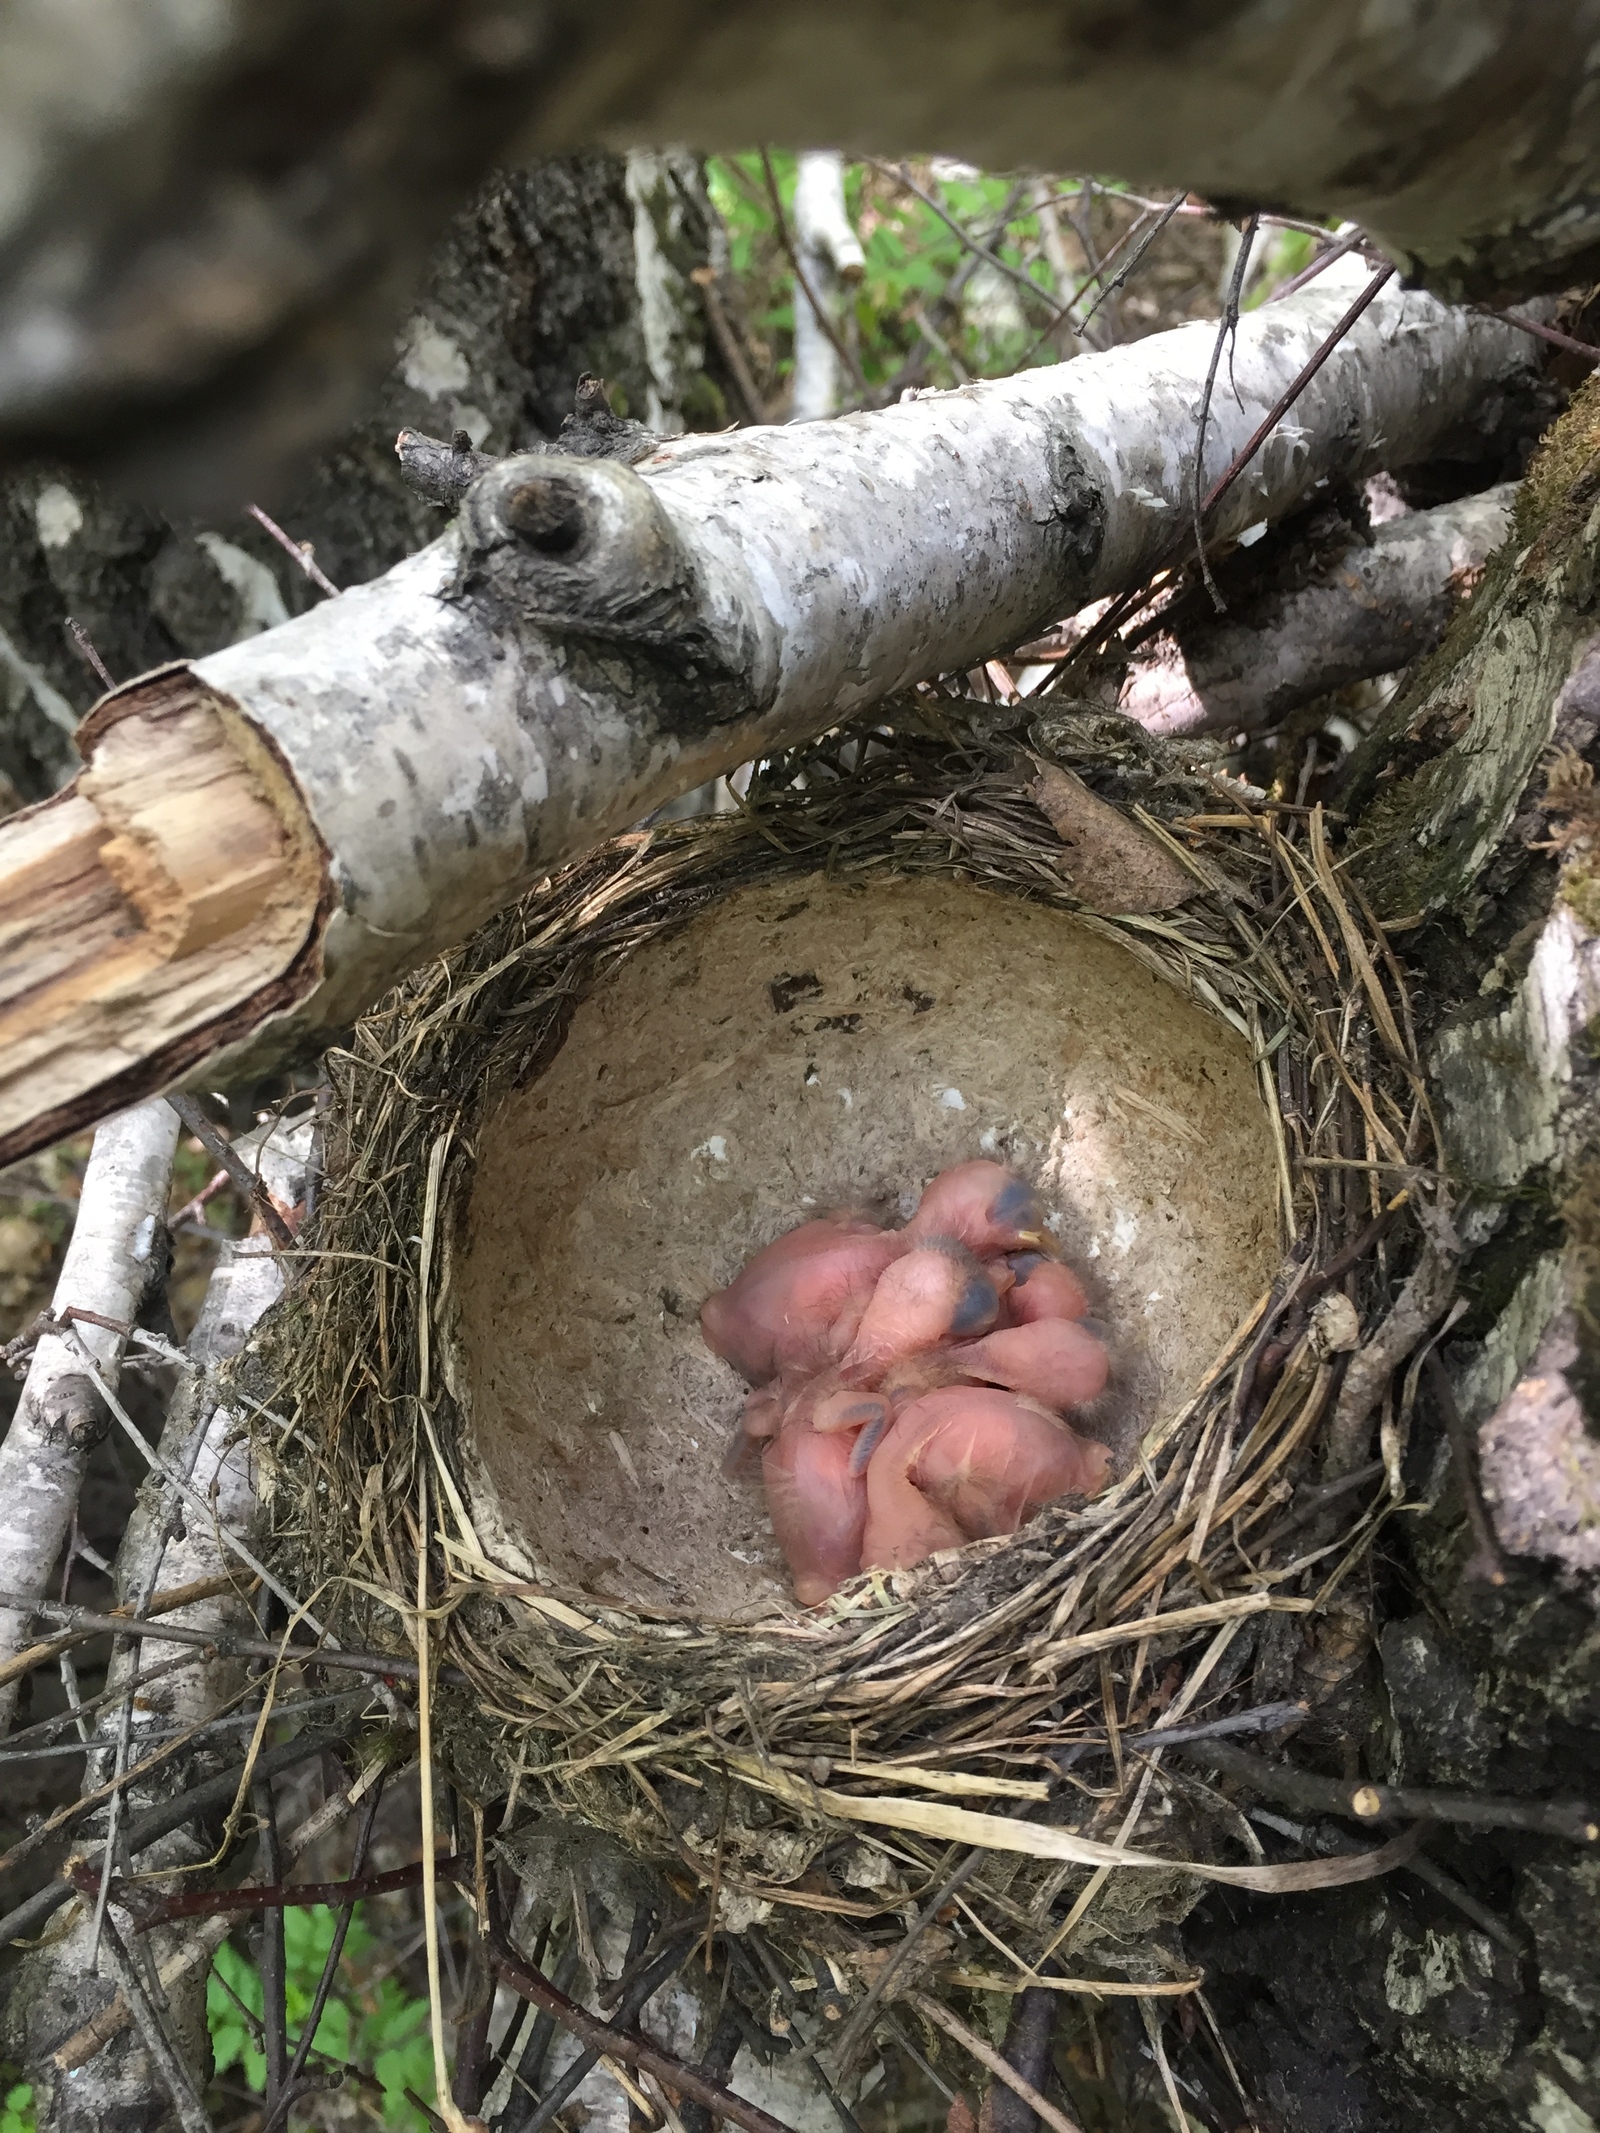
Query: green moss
{"points": [[1580, 892], [1563, 475]]}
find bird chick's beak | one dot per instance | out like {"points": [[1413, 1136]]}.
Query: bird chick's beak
{"points": [[1039, 1240]]}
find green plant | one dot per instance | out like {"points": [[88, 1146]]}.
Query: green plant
{"points": [[16, 2109], [371, 2024], [911, 257]]}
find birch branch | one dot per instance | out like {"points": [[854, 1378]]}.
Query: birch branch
{"points": [[60, 1417], [264, 841], [1366, 611], [203, 1442]]}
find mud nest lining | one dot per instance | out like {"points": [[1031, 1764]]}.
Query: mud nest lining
{"points": [[821, 1765]]}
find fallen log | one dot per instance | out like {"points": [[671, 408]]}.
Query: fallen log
{"points": [[262, 842]]}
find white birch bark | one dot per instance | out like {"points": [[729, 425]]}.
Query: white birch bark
{"points": [[830, 254], [798, 575], [60, 1417], [1370, 610], [590, 640], [671, 315], [160, 1552]]}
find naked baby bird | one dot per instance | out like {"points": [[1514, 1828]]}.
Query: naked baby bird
{"points": [[909, 1389]]}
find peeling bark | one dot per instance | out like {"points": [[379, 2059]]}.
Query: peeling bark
{"points": [[591, 640]]}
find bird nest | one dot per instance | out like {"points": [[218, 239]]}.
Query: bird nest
{"points": [[815, 1769]]}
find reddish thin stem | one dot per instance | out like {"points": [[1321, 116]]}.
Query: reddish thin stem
{"points": [[300, 551], [1552, 334]]}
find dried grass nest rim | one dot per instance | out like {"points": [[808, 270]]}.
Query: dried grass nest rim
{"points": [[965, 1678]]}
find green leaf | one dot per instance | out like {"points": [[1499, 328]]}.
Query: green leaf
{"points": [[16, 2109]]}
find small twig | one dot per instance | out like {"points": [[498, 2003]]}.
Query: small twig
{"points": [[301, 551], [1311, 1502], [806, 2049], [271, 1957], [1552, 334], [941, 2017], [174, 2074], [902, 177], [1269, 422], [1227, 327], [155, 1822], [1363, 1802], [87, 1622], [855, 2031], [641, 1990], [220, 1150], [1131, 264], [822, 314], [1324, 259], [1120, 609], [330, 1967], [1265, 1718], [705, 280], [85, 644], [291, 1895], [637, 2051], [1352, 1255], [1484, 1564]]}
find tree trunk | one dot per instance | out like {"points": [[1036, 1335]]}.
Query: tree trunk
{"points": [[183, 158], [1467, 2004], [294, 823]]}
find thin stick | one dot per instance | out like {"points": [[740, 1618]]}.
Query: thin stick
{"points": [[301, 552], [313, 2020], [221, 1151], [271, 1957], [164, 1467], [155, 1822], [1552, 334], [174, 2074], [940, 2016], [1324, 259], [638, 2051], [705, 280], [1484, 1564], [449, 2109], [85, 644], [87, 1623], [855, 2030], [1573, 1820], [903, 178], [1119, 610], [289, 1895], [1227, 327], [1131, 264]]}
